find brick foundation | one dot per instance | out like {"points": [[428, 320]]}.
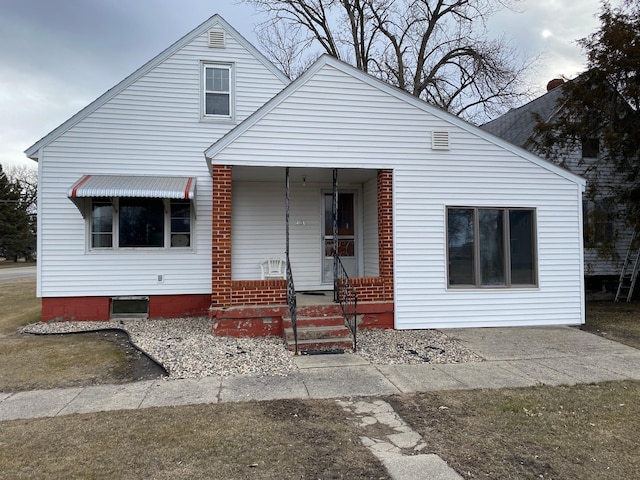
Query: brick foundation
{"points": [[261, 321], [75, 309], [98, 308]]}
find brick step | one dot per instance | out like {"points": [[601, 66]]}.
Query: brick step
{"points": [[328, 310], [317, 333], [314, 321], [322, 344]]}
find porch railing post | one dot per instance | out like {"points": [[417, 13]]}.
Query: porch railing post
{"points": [[334, 212], [291, 290]]}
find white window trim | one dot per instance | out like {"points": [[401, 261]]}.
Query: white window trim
{"points": [[115, 232], [203, 92]]}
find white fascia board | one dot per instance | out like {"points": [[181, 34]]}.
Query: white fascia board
{"points": [[393, 91], [215, 20]]}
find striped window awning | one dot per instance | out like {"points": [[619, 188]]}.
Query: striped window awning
{"points": [[92, 186]]}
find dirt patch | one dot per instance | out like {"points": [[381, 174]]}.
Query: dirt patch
{"points": [[139, 365]]}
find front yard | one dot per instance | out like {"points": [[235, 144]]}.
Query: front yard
{"points": [[583, 431]]}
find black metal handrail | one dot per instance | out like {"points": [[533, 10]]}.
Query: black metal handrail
{"points": [[347, 297], [291, 302]]}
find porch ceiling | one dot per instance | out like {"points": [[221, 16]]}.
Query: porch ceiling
{"points": [[314, 175]]}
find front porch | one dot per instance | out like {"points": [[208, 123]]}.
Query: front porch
{"points": [[250, 222], [256, 320]]}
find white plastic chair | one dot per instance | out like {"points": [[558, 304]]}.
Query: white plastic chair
{"points": [[273, 268]]}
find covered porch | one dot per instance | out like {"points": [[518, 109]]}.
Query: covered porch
{"points": [[253, 220]]}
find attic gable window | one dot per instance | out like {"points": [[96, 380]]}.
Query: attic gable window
{"points": [[217, 91]]}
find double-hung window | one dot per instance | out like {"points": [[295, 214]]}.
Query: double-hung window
{"points": [[130, 222], [491, 247], [598, 221], [217, 94]]}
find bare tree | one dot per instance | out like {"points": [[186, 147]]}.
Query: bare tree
{"points": [[437, 50], [25, 180], [287, 47]]}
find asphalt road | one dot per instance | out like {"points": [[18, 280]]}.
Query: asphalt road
{"points": [[19, 273]]}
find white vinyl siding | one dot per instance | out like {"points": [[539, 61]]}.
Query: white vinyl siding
{"points": [[257, 226], [153, 126], [258, 230], [336, 120]]}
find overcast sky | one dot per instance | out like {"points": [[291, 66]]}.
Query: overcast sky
{"points": [[57, 56]]}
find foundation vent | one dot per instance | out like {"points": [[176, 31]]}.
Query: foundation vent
{"points": [[216, 39], [440, 140]]}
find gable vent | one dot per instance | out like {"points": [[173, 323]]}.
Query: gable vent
{"points": [[440, 140], [216, 39]]}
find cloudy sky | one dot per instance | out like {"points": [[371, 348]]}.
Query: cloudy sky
{"points": [[57, 56]]}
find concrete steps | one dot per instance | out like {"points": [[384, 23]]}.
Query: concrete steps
{"points": [[317, 333]]}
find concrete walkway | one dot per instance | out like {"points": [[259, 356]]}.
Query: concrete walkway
{"points": [[514, 357]]}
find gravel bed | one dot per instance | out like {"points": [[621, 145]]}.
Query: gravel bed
{"points": [[393, 347], [186, 348]]}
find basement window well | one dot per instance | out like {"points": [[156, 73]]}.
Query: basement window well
{"points": [[128, 307]]}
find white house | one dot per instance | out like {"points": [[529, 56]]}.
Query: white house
{"points": [[167, 193]]}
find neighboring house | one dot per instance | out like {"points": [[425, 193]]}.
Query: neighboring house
{"points": [[167, 193], [603, 259]]}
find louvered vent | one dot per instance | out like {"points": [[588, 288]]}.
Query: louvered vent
{"points": [[216, 39], [440, 141]]}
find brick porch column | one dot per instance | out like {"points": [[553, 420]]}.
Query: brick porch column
{"points": [[221, 237], [385, 230]]}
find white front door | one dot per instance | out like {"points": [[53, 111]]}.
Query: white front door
{"points": [[347, 238]]}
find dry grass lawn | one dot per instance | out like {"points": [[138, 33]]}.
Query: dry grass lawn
{"points": [[266, 440], [587, 432], [616, 321], [35, 362]]}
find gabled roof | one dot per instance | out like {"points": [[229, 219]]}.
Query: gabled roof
{"points": [[327, 60], [517, 125], [215, 20]]}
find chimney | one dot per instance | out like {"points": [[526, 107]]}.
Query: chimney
{"points": [[555, 83]]}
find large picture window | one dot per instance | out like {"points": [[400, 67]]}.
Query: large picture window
{"points": [[491, 247], [140, 223], [217, 91]]}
